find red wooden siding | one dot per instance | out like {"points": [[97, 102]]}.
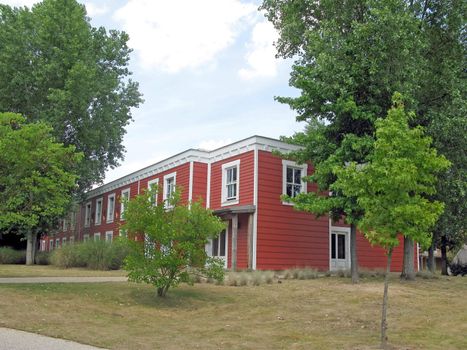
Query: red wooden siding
{"points": [[200, 175], [285, 237], [246, 170]]}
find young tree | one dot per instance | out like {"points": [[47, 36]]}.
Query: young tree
{"points": [[393, 185], [56, 67], [37, 177], [175, 238]]}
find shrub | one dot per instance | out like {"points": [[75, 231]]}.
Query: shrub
{"points": [[95, 255], [42, 258], [305, 273], [458, 269], [12, 256]]}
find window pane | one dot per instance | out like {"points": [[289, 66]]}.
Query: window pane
{"points": [[289, 174], [297, 176], [297, 189], [341, 246], [290, 190], [222, 244], [333, 246], [234, 174], [215, 247]]}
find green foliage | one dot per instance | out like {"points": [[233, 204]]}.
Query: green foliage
{"points": [[56, 67], [393, 184], [37, 174], [175, 239], [42, 258], [11, 256], [94, 255]]}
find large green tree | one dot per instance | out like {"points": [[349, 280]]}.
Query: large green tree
{"points": [[56, 67], [350, 57], [393, 186], [37, 177]]}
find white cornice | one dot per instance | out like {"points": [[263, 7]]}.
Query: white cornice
{"points": [[196, 155]]}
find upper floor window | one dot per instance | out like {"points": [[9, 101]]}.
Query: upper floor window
{"points": [[292, 178], [110, 207], [152, 185], [72, 219], [98, 215], [124, 198], [87, 215], [230, 182], [169, 185], [65, 225]]}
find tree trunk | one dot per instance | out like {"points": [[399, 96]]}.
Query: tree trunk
{"points": [[384, 324], [408, 268], [430, 263], [444, 258], [30, 248], [353, 253]]}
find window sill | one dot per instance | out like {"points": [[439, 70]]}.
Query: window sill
{"points": [[109, 221], [288, 204], [231, 202]]}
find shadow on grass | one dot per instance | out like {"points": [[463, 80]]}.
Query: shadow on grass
{"points": [[182, 297]]}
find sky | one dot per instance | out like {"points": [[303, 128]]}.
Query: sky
{"points": [[207, 71]]}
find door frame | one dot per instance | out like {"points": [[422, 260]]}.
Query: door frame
{"points": [[340, 230]]}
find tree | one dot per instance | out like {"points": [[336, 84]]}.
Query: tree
{"points": [[351, 57], [37, 177], [56, 67], [175, 238], [392, 187]]}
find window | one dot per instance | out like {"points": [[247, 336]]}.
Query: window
{"points": [[124, 197], [57, 243], [230, 182], [72, 220], [153, 184], [98, 216], [63, 241], [97, 236], [169, 186], [110, 207], [109, 235], [65, 225], [218, 245], [72, 240], [51, 244], [87, 215], [42, 245], [292, 175], [85, 237], [122, 233]]}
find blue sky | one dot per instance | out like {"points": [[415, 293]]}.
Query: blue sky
{"points": [[206, 69]]}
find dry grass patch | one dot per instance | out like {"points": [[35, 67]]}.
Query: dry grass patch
{"points": [[324, 313], [52, 271]]}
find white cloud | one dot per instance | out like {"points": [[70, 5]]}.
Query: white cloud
{"points": [[212, 144], [261, 52], [17, 3], [95, 10], [185, 34]]}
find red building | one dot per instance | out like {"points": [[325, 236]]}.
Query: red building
{"points": [[242, 183]]}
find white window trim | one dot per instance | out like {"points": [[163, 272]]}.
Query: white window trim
{"points": [[57, 242], [85, 237], [166, 177], [108, 233], [122, 205], [339, 230], [98, 215], [87, 214], [154, 182], [72, 239], [304, 169], [110, 219], [63, 241], [51, 244], [97, 234], [224, 201], [65, 225], [122, 233]]}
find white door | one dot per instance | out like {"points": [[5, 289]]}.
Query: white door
{"points": [[339, 249], [218, 247]]}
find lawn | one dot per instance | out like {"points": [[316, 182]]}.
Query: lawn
{"points": [[325, 313], [51, 271]]}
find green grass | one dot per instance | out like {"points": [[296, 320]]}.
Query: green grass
{"points": [[324, 313], [52, 271]]}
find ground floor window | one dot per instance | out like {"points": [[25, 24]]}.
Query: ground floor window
{"points": [[219, 245], [109, 235]]}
